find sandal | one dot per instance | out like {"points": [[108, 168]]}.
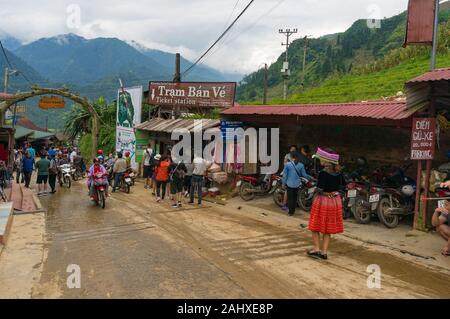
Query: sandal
{"points": [[446, 253], [314, 254], [324, 256]]}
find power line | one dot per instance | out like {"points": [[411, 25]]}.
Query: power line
{"points": [[221, 36], [10, 65], [236, 36], [6, 56]]}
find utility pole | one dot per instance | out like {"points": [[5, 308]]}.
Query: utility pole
{"points": [[435, 36], [285, 70], [304, 62], [8, 73], [265, 85], [177, 79]]}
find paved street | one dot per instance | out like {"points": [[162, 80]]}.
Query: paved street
{"points": [[136, 248]]}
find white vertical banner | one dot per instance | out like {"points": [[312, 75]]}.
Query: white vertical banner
{"points": [[129, 109]]}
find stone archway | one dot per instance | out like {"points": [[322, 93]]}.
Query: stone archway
{"points": [[63, 92]]}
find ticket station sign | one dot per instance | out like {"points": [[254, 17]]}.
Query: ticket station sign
{"points": [[193, 94], [423, 139]]}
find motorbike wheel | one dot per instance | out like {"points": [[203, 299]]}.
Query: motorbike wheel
{"points": [[74, 177], [67, 181], [247, 192], [278, 196], [304, 202], [362, 214], [390, 221], [101, 199], [127, 188]]}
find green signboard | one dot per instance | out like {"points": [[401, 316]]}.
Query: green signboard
{"points": [[142, 139]]}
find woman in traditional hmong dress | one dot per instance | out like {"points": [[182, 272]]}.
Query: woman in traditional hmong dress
{"points": [[326, 212]]}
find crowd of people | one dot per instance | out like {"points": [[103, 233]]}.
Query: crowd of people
{"points": [[46, 164], [182, 179], [165, 174]]}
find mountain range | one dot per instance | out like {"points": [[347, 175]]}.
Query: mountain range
{"points": [[92, 67]]}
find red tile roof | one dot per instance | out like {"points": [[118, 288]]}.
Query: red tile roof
{"points": [[393, 110], [27, 123], [6, 96], [436, 75]]}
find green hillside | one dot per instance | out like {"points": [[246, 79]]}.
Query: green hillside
{"points": [[358, 64]]}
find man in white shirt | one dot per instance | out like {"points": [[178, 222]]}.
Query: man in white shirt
{"points": [[198, 176], [73, 155], [148, 166]]}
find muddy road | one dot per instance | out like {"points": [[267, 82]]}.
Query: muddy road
{"points": [[136, 248]]}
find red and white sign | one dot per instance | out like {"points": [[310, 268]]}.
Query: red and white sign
{"points": [[194, 94], [423, 139]]}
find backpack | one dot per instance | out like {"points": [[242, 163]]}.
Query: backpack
{"points": [[53, 169]]}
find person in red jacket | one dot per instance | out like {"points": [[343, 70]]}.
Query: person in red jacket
{"points": [[162, 176]]}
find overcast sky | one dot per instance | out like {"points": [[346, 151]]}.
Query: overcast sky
{"points": [[190, 26]]}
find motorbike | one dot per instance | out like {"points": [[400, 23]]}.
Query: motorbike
{"points": [[73, 173], [397, 198], [99, 190], [132, 175], [250, 186], [125, 183], [306, 194], [364, 199], [65, 175]]}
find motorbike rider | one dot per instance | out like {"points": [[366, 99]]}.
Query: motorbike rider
{"points": [[128, 159], [95, 170], [119, 169]]}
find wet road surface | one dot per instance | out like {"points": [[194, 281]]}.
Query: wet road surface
{"points": [[136, 248]]}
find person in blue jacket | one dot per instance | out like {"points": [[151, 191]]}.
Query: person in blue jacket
{"points": [[28, 167], [292, 173]]}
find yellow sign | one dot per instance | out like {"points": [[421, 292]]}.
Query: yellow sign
{"points": [[20, 108], [51, 102]]}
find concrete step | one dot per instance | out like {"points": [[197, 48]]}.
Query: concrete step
{"points": [[6, 217], [28, 203], [16, 196]]}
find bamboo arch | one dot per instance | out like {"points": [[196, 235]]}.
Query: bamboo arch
{"points": [[63, 92]]}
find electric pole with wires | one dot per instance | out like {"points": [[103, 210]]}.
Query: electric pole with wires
{"points": [[285, 70]]}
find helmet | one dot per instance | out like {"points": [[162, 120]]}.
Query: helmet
{"points": [[361, 161], [99, 152], [127, 153], [408, 190]]}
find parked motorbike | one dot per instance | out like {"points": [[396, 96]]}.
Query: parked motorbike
{"points": [[99, 190], [364, 200], [397, 197], [306, 194], [65, 175], [250, 186]]}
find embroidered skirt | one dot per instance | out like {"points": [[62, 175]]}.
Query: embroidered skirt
{"points": [[326, 215]]}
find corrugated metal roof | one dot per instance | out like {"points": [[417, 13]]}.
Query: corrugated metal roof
{"points": [[394, 110], [436, 75], [168, 126]]}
